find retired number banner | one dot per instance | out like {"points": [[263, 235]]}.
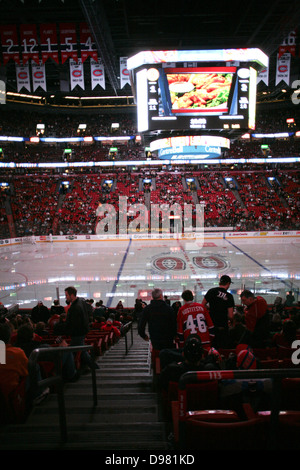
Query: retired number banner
{"points": [[68, 42], [10, 44], [49, 43], [29, 42], [87, 43]]}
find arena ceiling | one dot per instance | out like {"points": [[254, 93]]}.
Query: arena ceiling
{"points": [[122, 28]]}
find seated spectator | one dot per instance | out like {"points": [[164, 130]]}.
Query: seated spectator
{"points": [[234, 393], [16, 364], [115, 322], [56, 308], [286, 337], [99, 323], [59, 327], [109, 326], [194, 358], [278, 305], [40, 330], [275, 323], [125, 317], [236, 331], [27, 339], [53, 320], [100, 310]]}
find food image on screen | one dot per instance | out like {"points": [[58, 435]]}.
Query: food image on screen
{"points": [[193, 92]]}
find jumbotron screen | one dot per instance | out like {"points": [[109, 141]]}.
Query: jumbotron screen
{"points": [[196, 90]]}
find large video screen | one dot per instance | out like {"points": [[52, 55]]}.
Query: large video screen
{"points": [[216, 93], [199, 90]]}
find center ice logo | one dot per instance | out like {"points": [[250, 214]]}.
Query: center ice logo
{"points": [[166, 263], [210, 262]]}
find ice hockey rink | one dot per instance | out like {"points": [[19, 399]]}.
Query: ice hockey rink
{"points": [[125, 269]]}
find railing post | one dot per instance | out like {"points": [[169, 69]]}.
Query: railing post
{"points": [[35, 356], [62, 412]]}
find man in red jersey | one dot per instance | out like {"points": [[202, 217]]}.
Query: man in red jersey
{"points": [[256, 318], [194, 318]]}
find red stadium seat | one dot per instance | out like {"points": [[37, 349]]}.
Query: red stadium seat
{"points": [[236, 435]]}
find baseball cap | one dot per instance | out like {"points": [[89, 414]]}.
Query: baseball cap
{"points": [[225, 279]]}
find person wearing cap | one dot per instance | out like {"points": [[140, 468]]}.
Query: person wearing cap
{"points": [[220, 304]]}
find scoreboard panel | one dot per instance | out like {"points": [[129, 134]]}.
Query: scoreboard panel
{"points": [[196, 90]]}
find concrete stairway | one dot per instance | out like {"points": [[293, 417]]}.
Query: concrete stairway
{"points": [[126, 417]]}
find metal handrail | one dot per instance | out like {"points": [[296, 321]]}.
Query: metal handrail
{"points": [[124, 330], [54, 354], [275, 374]]}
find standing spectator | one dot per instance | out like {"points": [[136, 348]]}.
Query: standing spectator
{"points": [[161, 320], [256, 319], [77, 322], [290, 299], [120, 306], [193, 318], [221, 305], [40, 313], [138, 309]]}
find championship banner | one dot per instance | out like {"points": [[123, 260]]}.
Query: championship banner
{"points": [[29, 43], [97, 74], [23, 77], [263, 76], [87, 43], [10, 44], [76, 73], [49, 43], [38, 75], [68, 42], [283, 68], [124, 74]]}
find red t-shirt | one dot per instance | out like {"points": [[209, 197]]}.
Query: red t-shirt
{"points": [[255, 311], [194, 318]]}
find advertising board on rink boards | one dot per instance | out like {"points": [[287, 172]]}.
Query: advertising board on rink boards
{"points": [[196, 90], [136, 236]]}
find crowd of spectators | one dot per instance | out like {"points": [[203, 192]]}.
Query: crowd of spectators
{"points": [[36, 204]]}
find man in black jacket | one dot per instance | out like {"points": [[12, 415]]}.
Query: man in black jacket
{"points": [[161, 319], [77, 322]]}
